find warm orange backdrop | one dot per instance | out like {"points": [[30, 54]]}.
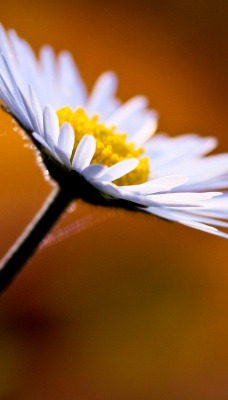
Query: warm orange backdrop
{"points": [[132, 308]]}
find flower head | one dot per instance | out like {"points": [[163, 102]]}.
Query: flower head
{"points": [[105, 151]]}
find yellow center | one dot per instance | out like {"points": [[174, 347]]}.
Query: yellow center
{"points": [[111, 147]]}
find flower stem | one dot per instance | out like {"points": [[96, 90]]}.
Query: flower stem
{"points": [[25, 246]]}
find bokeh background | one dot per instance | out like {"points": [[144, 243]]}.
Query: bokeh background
{"points": [[129, 307]]}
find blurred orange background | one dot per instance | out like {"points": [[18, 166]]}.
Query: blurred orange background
{"points": [[133, 307]]}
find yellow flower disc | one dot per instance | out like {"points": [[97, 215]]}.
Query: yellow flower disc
{"points": [[111, 147]]}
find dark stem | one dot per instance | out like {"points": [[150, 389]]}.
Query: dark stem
{"points": [[27, 243]]}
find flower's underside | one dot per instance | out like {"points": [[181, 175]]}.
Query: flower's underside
{"points": [[111, 145]]}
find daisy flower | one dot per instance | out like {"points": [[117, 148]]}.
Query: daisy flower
{"points": [[105, 151]]}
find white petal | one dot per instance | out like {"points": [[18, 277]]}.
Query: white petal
{"points": [[169, 215], [30, 113], [70, 85], [125, 111], [47, 74], [9, 82], [108, 188], [167, 152], [204, 228], [209, 184], [13, 107], [66, 139], [63, 157], [102, 93], [182, 199], [51, 124], [4, 42], [84, 153], [121, 168], [93, 171], [206, 220], [48, 65], [147, 130], [163, 184], [37, 111], [41, 140]]}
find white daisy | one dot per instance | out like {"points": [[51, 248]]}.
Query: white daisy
{"points": [[103, 151]]}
